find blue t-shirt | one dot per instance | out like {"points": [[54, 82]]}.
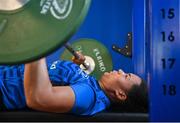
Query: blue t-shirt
{"points": [[89, 97]]}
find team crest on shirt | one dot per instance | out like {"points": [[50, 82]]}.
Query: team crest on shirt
{"points": [[60, 9]]}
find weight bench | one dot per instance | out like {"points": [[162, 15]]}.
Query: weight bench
{"points": [[30, 115]]}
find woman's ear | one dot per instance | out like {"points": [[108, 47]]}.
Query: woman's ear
{"points": [[121, 95]]}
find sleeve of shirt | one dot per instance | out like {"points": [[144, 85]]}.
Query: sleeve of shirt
{"points": [[58, 74], [84, 99]]}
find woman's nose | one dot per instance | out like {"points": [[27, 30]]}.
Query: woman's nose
{"points": [[121, 71]]}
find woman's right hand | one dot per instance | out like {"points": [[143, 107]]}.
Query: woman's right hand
{"points": [[80, 60]]}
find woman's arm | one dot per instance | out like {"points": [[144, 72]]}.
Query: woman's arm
{"points": [[39, 92]]}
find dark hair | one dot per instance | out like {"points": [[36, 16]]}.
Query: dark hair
{"points": [[137, 99]]}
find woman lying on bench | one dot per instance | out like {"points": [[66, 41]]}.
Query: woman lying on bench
{"points": [[32, 85]]}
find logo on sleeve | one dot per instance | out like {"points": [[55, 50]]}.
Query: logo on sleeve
{"points": [[60, 9], [53, 66]]}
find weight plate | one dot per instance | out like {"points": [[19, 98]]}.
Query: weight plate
{"points": [[96, 54], [34, 28]]}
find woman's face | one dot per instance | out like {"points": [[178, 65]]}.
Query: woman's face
{"points": [[119, 80]]}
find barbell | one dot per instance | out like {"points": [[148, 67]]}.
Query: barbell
{"points": [[98, 57]]}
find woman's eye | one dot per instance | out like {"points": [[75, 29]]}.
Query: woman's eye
{"points": [[126, 76], [129, 76]]}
